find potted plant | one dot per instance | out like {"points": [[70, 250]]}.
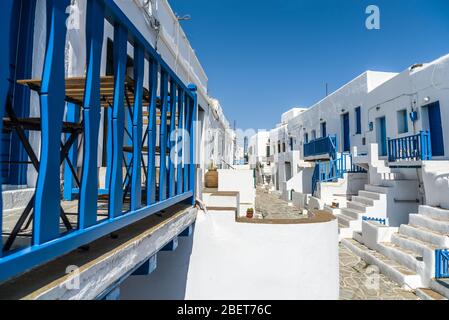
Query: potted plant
{"points": [[250, 213], [211, 177]]}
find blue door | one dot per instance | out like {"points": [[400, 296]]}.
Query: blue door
{"points": [[382, 136], [346, 133], [436, 130]]}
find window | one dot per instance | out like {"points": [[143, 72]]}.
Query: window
{"points": [[323, 130], [283, 147], [306, 138], [402, 121], [358, 120], [279, 146], [291, 144], [313, 135], [268, 151]]}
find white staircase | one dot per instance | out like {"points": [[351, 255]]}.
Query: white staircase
{"points": [[221, 200], [408, 256], [371, 202]]}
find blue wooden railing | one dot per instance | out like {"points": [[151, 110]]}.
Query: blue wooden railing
{"points": [[441, 263], [321, 146], [411, 148], [176, 178], [333, 170]]}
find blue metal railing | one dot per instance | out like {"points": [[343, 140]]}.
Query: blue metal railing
{"points": [[411, 148], [333, 170], [321, 146], [441, 263], [379, 220], [176, 179]]}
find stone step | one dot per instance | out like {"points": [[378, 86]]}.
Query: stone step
{"points": [[369, 194], [357, 206], [404, 257], [233, 209], [364, 200], [434, 213], [349, 222], [417, 246], [429, 294], [406, 278], [377, 189], [429, 223], [426, 235], [440, 286], [353, 213]]}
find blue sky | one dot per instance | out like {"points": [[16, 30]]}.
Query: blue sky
{"points": [[264, 57]]}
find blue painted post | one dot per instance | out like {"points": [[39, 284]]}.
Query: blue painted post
{"points": [[118, 121], [423, 139], [92, 115], [136, 183], [151, 172], [187, 141], [108, 148], [163, 138], [172, 140], [47, 198], [193, 123], [390, 156], [429, 146], [73, 115], [180, 140]]}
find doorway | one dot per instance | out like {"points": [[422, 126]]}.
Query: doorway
{"points": [[346, 133], [381, 125], [435, 128]]}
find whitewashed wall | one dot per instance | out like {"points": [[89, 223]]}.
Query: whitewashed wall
{"points": [[225, 260]]}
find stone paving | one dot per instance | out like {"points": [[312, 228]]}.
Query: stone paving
{"points": [[270, 206], [359, 281]]}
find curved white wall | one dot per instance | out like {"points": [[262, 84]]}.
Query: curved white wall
{"points": [[229, 260]]}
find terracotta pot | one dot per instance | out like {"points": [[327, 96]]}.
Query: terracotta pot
{"points": [[211, 179], [250, 214]]}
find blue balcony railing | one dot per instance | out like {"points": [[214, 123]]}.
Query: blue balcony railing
{"points": [[412, 148], [333, 170], [442, 264], [321, 146], [142, 178]]}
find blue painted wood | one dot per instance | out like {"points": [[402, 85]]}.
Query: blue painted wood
{"points": [[118, 121], [47, 199], [346, 133], [151, 172], [436, 129], [113, 295], [171, 246], [36, 255], [163, 138], [92, 115], [147, 268], [136, 183], [180, 141], [187, 140], [172, 140], [193, 123], [73, 115], [109, 148]]}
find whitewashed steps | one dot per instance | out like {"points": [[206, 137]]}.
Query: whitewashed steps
{"points": [[439, 226], [426, 235], [405, 277], [402, 256], [429, 294], [369, 194]]}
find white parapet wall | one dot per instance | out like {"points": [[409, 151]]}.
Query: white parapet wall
{"points": [[436, 183], [241, 181], [230, 260]]}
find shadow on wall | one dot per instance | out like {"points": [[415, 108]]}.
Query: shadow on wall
{"points": [[170, 276]]}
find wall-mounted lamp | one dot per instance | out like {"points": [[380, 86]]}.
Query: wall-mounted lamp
{"points": [[343, 110], [426, 99], [378, 108]]}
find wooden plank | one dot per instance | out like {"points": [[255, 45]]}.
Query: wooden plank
{"points": [[180, 142], [151, 172], [118, 122], [172, 141], [163, 137], [47, 197], [92, 115], [136, 181]]}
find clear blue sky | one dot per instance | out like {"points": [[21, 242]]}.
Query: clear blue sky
{"points": [[264, 57]]}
